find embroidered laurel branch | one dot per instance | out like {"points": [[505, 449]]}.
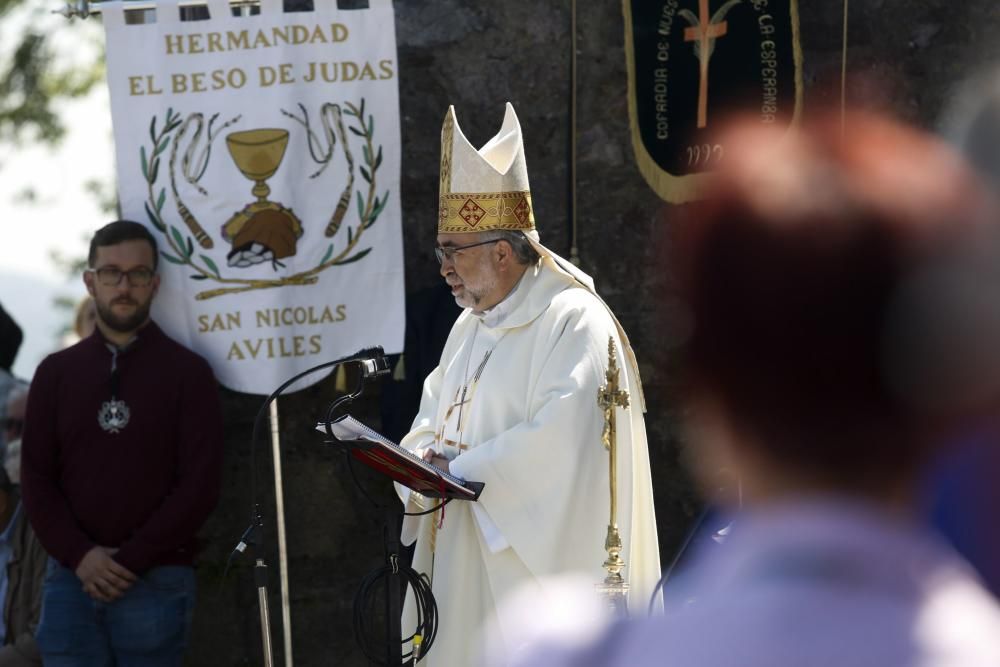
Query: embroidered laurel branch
{"points": [[182, 247]]}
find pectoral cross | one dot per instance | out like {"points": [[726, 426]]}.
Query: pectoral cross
{"points": [[704, 33], [609, 397]]}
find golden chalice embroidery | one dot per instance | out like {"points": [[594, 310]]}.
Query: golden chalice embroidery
{"points": [[264, 231]]}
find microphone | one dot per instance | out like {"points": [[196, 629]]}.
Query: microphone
{"points": [[373, 362], [251, 535]]}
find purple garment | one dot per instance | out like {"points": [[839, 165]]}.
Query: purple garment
{"points": [[814, 584], [145, 489], [961, 497]]}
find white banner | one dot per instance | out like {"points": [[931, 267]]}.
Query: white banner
{"points": [[264, 154]]}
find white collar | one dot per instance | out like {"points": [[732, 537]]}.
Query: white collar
{"points": [[498, 313]]}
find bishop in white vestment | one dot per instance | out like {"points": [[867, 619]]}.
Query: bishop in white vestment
{"points": [[513, 404]]}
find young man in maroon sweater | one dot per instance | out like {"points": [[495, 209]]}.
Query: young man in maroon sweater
{"points": [[121, 463]]}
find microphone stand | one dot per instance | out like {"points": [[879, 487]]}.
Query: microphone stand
{"points": [[391, 547], [373, 364], [260, 579], [393, 603], [250, 537]]}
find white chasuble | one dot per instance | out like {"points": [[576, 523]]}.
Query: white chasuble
{"points": [[513, 404]]}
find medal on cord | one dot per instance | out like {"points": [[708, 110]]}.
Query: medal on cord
{"points": [[114, 414]]}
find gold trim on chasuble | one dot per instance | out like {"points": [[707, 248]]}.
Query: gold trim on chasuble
{"points": [[447, 137], [463, 396]]}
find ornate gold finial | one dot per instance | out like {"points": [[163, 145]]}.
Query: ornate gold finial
{"points": [[609, 397]]}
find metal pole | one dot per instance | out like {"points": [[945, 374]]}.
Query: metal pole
{"points": [[260, 576], [574, 251], [84, 8], [843, 80], [279, 501]]}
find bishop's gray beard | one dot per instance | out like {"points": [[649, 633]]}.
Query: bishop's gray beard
{"points": [[474, 294]]}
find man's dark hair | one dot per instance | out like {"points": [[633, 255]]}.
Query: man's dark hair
{"points": [[523, 250], [120, 231]]}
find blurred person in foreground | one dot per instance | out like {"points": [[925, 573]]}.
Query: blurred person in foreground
{"points": [[17, 404], [22, 558], [22, 570], [120, 466], [843, 293], [10, 343], [960, 490]]}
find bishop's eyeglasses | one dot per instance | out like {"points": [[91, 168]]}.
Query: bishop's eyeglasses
{"points": [[443, 252], [111, 276]]}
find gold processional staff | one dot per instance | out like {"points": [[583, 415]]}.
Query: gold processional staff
{"points": [[609, 397]]}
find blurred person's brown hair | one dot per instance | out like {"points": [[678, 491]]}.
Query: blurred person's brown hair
{"points": [[85, 320], [796, 269]]}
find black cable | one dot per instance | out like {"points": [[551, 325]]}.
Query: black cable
{"points": [[367, 595], [365, 599], [372, 360], [431, 510], [246, 539], [365, 612], [357, 483], [373, 364], [255, 517], [677, 557]]}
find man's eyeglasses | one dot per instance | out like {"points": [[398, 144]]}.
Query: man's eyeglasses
{"points": [[111, 276], [443, 252]]}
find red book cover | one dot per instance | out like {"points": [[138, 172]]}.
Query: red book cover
{"points": [[378, 452]]}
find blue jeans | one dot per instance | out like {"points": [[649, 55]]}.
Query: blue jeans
{"points": [[147, 627]]}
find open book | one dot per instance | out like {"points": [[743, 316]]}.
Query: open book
{"points": [[378, 452]]}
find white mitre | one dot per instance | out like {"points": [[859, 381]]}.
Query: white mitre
{"points": [[486, 189]]}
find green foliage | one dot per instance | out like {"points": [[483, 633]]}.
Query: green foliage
{"points": [[103, 193], [33, 76], [70, 267]]}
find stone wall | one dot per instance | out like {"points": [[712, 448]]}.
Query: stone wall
{"points": [[904, 56]]}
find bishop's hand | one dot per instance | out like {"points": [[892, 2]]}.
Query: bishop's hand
{"points": [[439, 462]]}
